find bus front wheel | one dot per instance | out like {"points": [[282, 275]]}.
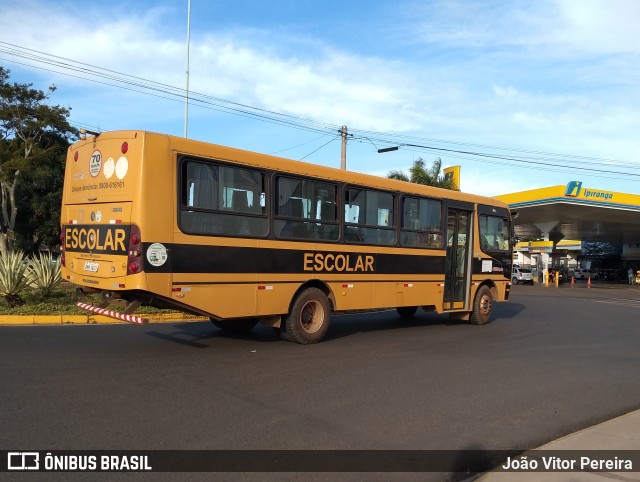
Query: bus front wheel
{"points": [[482, 306], [309, 318]]}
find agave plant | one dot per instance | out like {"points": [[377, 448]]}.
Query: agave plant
{"points": [[12, 277], [43, 272]]}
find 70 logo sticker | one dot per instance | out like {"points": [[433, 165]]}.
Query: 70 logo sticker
{"points": [[95, 164]]}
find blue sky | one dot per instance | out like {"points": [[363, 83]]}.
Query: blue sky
{"points": [[546, 91]]}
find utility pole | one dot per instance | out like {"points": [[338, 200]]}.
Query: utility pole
{"points": [[186, 98], [343, 157]]}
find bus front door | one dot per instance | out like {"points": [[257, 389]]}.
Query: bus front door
{"points": [[456, 265]]}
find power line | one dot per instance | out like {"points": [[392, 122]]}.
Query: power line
{"points": [[532, 159], [294, 147], [124, 81], [533, 162], [316, 150], [515, 159], [399, 138], [539, 155], [558, 169]]}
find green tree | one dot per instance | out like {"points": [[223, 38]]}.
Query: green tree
{"points": [[34, 137], [420, 174]]}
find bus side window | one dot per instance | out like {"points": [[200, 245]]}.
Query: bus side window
{"points": [[368, 216], [327, 211], [301, 212], [297, 229], [240, 203], [221, 200], [297, 208], [352, 213], [421, 223], [201, 189]]}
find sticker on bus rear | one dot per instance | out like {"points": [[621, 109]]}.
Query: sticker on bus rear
{"points": [[109, 168], [157, 254], [96, 163], [122, 166]]}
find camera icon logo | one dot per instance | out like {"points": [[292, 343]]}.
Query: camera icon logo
{"points": [[23, 461]]}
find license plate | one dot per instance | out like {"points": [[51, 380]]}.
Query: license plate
{"points": [[91, 266]]}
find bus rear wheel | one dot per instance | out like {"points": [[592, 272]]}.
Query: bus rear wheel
{"points": [[236, 326], [482, 306], [309, 318]]}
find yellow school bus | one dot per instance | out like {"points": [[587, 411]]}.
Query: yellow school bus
{"points": [[242, 237]]}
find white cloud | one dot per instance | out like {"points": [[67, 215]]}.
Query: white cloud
{"points": [[599, 26], [569, 26], [335, 87]]}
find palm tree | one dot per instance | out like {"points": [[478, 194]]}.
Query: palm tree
{"points": [[419, 174]]}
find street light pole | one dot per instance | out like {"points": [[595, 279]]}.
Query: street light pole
{"points": [[186, 97]]}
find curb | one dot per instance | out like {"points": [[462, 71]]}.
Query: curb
{"points": [[92, 319]]}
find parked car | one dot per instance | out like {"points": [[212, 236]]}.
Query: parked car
{"points": [[522, 275], [585, 274]]}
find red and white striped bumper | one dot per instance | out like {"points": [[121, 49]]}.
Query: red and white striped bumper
{"points": [[138, 320]]}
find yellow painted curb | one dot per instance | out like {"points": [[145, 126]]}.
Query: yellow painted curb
{"points": [[47, 319], [75, 319], [92, 319], [16, 320]]}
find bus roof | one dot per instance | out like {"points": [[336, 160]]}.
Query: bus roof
{"points": [[266, 161]]}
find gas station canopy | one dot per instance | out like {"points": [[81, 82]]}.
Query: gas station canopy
{"points": [[576, 212]]}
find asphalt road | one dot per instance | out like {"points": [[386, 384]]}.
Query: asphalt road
{"points": [[552, 361]]}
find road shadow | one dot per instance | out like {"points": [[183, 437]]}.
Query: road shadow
{"points": [[348, 325], [507, 310], [202, 334]]}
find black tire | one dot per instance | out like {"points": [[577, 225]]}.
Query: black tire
{"points": [[309, 318], [482, 306], [514, 281], [281, 333], [407, 311], [244, 325]]}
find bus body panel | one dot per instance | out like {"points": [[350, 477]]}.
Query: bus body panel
{"points": [[120, 183], [98, 170], [103, 179]]}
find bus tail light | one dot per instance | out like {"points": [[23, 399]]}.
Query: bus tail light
{"points": [[134, 261]]}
